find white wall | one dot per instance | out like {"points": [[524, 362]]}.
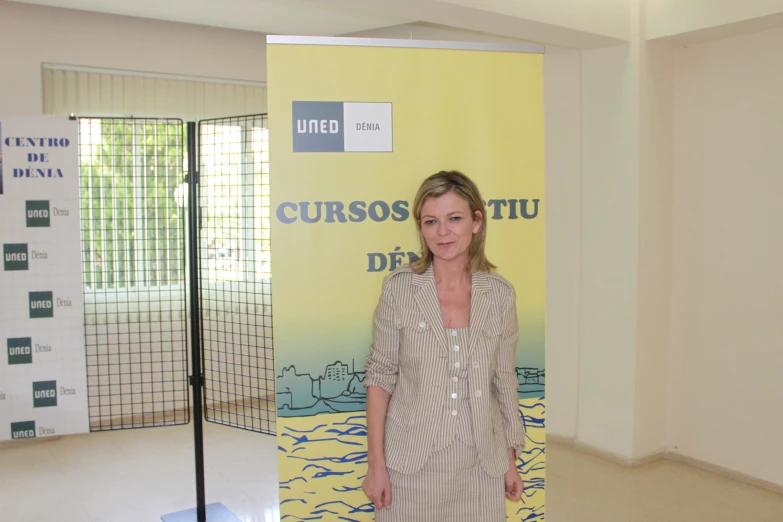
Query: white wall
{"points": [[727, 288], [32, 35], [562, 83], [655, 251], [627, 98], [610, 149]]}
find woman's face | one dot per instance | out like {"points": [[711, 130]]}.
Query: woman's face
{"points": [[448, 226]]}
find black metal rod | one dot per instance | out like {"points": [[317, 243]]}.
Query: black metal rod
{"points": [[195, 321]]}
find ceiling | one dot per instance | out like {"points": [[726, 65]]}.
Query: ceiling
{"points": [[578, 24], [299, 17], [566, 23]]}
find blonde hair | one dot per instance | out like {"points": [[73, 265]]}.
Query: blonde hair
{"points": [[434, 187]]}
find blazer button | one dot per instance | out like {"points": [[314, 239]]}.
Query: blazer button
{"points": [[478, 393], [422, 324]]}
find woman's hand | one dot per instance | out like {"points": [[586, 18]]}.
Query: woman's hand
{"points": [[514, 484], [377, 487]]}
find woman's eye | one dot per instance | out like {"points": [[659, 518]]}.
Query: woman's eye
{"points": [[456, 218], [429, 222]]}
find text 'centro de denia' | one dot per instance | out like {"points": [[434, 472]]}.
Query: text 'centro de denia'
{"points": [[37, 158], [379, 211]]}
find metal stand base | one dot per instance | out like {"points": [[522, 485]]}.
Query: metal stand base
{"points": [[216, 512]]}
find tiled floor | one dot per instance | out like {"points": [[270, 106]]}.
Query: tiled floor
{"points": [[139, 475]]}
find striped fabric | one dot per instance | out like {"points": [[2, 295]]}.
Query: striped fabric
{"points": [[411, 359], [451, 487]]}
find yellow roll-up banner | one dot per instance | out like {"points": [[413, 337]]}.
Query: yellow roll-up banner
{"points": [[355, 126]]}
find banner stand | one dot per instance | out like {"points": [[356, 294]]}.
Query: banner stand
{"points": [[357, 124], [215, 512]]}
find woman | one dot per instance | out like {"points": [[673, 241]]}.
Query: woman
{"points": [[443, 424]]}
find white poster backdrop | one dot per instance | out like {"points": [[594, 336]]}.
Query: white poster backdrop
{"points": [[43, 382]]}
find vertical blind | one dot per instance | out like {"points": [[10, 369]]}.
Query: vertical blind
{"points": [[107, 94]]}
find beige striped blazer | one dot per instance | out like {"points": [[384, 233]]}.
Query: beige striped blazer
{"points": [[409, 359]]}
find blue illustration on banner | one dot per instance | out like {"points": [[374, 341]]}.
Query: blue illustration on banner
{"points": [[321, 459], [340, 389]]}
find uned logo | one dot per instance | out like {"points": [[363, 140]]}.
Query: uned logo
{"points": [[38, 213], [44, 394], [41, 305], [15, 256], [23, 430], [20, 350], [318, 126]]}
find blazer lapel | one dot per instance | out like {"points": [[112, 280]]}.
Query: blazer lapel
{"points": [[426, 296], [480, 304]]}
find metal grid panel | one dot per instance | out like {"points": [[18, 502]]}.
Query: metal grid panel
{"points": [[235, 273], [133, 272]]}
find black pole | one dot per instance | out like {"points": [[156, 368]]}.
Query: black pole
{"points": [[195, 321]]}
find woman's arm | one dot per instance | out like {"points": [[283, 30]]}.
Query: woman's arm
{"points": [[380, 380], [506, 381], [376, 484], [377, 404]]}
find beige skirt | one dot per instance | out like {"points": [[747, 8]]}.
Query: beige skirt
{"points": [[451, 487]]}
